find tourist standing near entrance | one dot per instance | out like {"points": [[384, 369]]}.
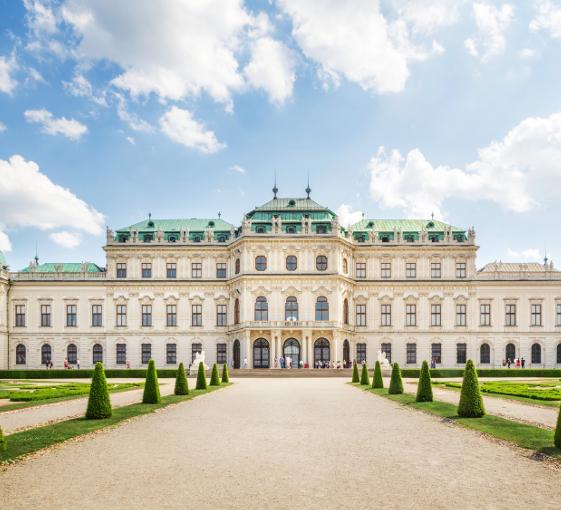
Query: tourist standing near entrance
{"points": [[245, 362]]}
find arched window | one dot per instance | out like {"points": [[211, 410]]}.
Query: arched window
{"points": [[237, 266], [237, 311], [322, 309], [260, 263], [558, 353], [236, 353], [485, 353], [291, 263], [291, 349], [261, 353], [387, 350], [345, 266], [72, 354], [510, 352], [321, 262], [46, 354], [536, 354], [21, 355], [346, 352], [261, 309], [291, 309], [97, 354], [321, 352], [345, 311]]}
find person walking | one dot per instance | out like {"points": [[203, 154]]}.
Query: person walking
{"points": [[78, 364], [245, 362]]}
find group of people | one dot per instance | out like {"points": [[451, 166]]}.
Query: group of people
{"points": [[68, 365], [517, 362]]}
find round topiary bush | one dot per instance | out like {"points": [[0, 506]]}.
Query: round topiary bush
{"points": [[3, 443], [355, 373], [396, 384], [181, 384], [214, 376], [201, 377], [424, 388], [471, 403], [377, 381], [364, 378], [557, 436], [225, 374], [99, 403], [151, 386]]}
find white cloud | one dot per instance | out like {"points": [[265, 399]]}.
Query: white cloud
{"points": [[8, 66], [66, 239], [80, 86], [28, 198], [131, 140], [42, 22], [2, 127], [347, 216], [547, 17], [180, 126], [238, 169], [492, 23], [517, 173], [133, 120], [530, 254], [70, 128], [428, 16], [5, 244], [526, 53]]}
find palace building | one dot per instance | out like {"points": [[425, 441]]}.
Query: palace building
{"points": [[289, 281]]}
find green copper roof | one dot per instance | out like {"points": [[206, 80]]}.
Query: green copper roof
{"points": [[403, 225], [291, 209], [64, 267], [199, 224]]}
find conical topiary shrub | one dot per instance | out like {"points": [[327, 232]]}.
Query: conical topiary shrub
{"points": [[557, 436], [201, 377], [214, 376], [151, 386], [181, 384], [424, 388], [471, 403], [364, 378], [396, 384], [377, 381], [99, 403], [355, 373], [225, 374], [3, 443]]}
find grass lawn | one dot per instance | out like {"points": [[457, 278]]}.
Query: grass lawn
{"points": [[524, 436], [29, 441]]}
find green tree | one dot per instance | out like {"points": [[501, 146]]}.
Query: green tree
{"points": [[225, 374], [377, 381], [364, 378], [424, 388], [201, 377], [471, 403], [355, 373], [396, 384], [557, 437], [181, 384], [151, 386], [99, 403], [3, 442], [214, 376]]}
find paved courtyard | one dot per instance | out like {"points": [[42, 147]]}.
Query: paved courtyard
{"points": [[280, 443]]}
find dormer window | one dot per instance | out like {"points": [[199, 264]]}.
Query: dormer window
{"points": [[260, 229], [430, 224], [147, 238], [321, 229], [291, 229], [211, 224], [197, 239], [361, 239], [409, 238], [434, 239], [221, 239], [122, 239], [172, 239], [292, 203], [385, 239]]}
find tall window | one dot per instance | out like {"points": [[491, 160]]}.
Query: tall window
{"points": [[196, 270], [71, 316], [121, 270], [411, 358], [121, 354], [21, 354], [237, 311], [461, 315], [485, 354], [221, 315], [510, 315], [195, 348], [536, 314], [360, 352], [97, 354], [291, 309], [410, 270], [436, 315], [196, 315], [536, 354], [171, 354], [260, 263], [485, 314], [360, 270], [386, 315], [435, 270], [360, 315], [345, 311], [171, 270], [221, 270], [461, 353], [386, 349], [558, 353], [145, 353], [558, 314], [261, 309], [97, 316], [20, 316], [386, 270], [121, 316], [460, 269], [146, 316], [322, 309], [46, 316], [291, 263], [436, 353], [171, 315], [345, 266], [221, 357], [46, 354], [146, 270], [321, 262], [237, 267], [410, 315], [510, 352]]}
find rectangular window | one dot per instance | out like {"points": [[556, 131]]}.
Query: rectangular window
{"points": [[196, 270], [196, 315], [146, 316], [558, 315], [360, 270], [387, 351], [536, 312], [195, 348], [71, 316], [411, 354], [121, 270], [171, 270], [221, 270], [121, 354], [410, 315], [97, 314], [436, 315], [221, 354], [221, 315], [510, 315], [171, 354], [360, 315], [436, 353], [171, 315], [386, 315], [20, 316], [485, 315], [360, 352], [411, 270], [45, 316], [460, 269], [386, 270], [121, 316], [146, 353], [146, 270], [435, 270], [461, 353], [461, 315]]}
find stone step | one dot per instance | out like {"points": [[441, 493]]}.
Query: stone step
{"points": [[291, 372]]}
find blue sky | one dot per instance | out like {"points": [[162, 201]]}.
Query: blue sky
{"points": [[110, 110]]}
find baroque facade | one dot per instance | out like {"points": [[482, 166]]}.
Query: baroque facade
{"points": [[290, 281]]}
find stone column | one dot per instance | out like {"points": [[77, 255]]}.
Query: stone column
{"points": [[248, 350]]}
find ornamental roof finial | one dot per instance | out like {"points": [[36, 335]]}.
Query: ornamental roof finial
{"points": [[275, 189], [308, 189]]}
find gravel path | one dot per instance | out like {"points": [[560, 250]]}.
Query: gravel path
{"points": [[283, 443]]}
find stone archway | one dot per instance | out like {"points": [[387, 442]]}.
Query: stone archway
{"points": [[291, 350]]}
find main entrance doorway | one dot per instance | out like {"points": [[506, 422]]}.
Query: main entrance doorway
{"points": [[261, 353], [347, 353], [321, 351], [291, 349], [236, 354]]}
